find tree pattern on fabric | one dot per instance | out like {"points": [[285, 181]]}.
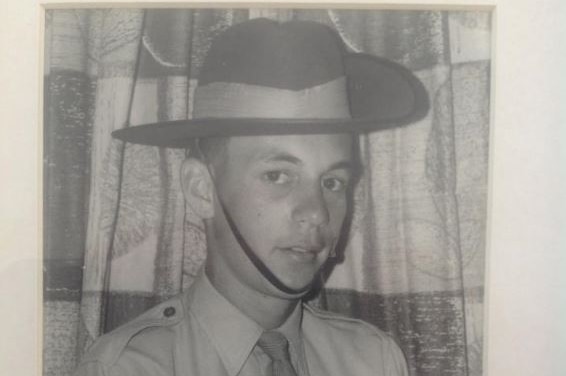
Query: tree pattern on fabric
{"points": [[120, 238]]}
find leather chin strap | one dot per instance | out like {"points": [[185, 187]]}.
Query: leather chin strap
{"points": [[252, 256], [260, 265]]}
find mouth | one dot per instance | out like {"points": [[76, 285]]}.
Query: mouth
{"points": [[302, 254]]}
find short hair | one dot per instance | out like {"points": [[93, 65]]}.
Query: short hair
{"points": [[209, 149]]}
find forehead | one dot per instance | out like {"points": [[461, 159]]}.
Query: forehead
{"points": [[320, 150]]}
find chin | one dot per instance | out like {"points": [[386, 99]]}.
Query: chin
{"points": [[302, 284]]}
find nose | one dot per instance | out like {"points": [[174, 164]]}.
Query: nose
{"points": [[310, 208]]}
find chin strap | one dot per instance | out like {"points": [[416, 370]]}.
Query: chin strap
{"points": [[260, 265], [252, 256]]}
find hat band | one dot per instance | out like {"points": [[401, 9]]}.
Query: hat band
{"points": [[236, 100]]}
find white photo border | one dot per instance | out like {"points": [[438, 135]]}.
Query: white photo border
{"points": [[526, 287]]}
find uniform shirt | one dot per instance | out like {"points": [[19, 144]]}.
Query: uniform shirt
{"points": [[200, 333]]}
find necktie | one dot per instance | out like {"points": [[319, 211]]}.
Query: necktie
{"points": [[275, 345]]}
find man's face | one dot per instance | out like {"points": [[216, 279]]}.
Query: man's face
{"points": [[288, 197]]}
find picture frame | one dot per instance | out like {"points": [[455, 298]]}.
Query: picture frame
{"points": [[21, 269]]}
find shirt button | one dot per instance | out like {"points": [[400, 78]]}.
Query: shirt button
{"points": [[169, 311]]}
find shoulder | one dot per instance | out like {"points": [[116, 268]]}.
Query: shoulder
{"points": [[345, 327], [144, 340], [353, 339]]}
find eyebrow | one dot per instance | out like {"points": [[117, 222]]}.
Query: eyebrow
{"points": [[343, 165], [286, 157], [281, 157]]}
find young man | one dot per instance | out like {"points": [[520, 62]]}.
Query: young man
{"points": [[276, 115]]}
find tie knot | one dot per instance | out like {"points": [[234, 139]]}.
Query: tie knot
{"points": [[275, 345]]}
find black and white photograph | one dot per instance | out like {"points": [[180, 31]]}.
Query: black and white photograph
{"points": [[265, 191]]}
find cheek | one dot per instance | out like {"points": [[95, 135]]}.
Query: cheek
{"points": [[257, 212], [269, 216], [337, 210]]}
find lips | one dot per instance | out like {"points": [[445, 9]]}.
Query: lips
{"points": [[302, 253], [304, 250]]}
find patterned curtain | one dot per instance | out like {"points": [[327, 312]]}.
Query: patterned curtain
{"points": [[119, 237]]}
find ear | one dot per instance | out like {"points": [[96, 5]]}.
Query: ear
{"points": [[197, 187]]}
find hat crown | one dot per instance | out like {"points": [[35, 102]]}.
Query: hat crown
{"points": [[293, 55], [262, 77]]}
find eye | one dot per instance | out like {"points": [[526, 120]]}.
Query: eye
{"points": [[276, 177], [334, 184]]}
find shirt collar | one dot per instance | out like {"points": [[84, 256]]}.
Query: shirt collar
{"points": [[291, 328], [231, 332]]}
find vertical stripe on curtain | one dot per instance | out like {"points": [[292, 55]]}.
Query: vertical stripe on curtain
{"points": [[119, 237]]}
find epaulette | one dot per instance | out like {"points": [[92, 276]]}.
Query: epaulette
{"points": [[347, 322], [108, 348]]}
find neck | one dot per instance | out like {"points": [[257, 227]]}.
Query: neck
{"points": [[267, 310]]}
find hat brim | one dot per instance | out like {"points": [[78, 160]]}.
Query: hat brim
{"points": [[382, 95]]}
